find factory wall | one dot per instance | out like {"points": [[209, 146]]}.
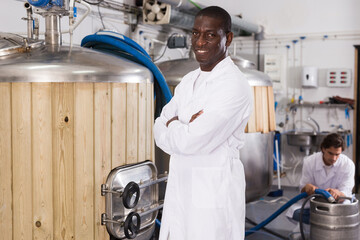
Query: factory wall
{"points": [[329, 27]]}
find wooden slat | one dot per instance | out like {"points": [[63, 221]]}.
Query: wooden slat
{"points": [[172, 89], [42, 161], [265, 109], [132, 123], [84, 161], [149, 121], [142, 122], [22, 165], [63, 159], [251, 125], [152, 123], [272, 122], [6, 192], [102, 147], [258, 109], [118, 127]]}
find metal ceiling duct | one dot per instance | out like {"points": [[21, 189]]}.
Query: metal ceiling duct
{"points": [[190, 8]]}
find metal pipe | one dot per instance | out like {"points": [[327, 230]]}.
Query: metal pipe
{"points": [[238, 24], [184, 5], [317, 125], [29, 20], [52, 32]]}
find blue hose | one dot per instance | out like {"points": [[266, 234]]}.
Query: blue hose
{"points": [[113, 42], [125, 39], [158, 223], [324, 193], [277, 213]]}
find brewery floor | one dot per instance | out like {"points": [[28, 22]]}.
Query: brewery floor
{"points": [[260, 210], [281, 226]]}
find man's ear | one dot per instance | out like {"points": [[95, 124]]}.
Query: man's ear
{"points": [[229, 38]]}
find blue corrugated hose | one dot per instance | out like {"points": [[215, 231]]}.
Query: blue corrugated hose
{"points": [[275, 214], [326, 194], [112, 42]]}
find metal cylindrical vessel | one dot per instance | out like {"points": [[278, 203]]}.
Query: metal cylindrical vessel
{"points": [[330, 221], [69, 116], [257, 153]]}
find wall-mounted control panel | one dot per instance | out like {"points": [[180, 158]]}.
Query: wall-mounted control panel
{"points": [[338, 78]]}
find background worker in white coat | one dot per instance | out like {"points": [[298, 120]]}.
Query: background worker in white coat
{"points": [[329, 170], [202, 128]]}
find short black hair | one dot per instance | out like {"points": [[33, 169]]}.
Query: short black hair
{"points": [[217, 12], [333, 140]]}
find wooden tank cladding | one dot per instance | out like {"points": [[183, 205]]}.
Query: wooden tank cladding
{"points": [[58, 143]]}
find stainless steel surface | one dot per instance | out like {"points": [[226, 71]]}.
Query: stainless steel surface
{"points": [[14, 44], [40, 63], [116, 213], [52, 32], [334, 221], [243, 63], [257, 158], [256, 155], [174, 70], [305, 139]]}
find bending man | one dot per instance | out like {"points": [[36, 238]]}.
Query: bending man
{"points": [[329, 170]]}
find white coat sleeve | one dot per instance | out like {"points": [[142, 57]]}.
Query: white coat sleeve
{"points": [[307, 172], [347, 180], [169, 111], [227, 109]]}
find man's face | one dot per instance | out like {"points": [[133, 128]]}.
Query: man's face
{"points": [[331, 155], [209, 41]]}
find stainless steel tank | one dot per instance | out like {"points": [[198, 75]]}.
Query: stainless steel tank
{"points": [[256, 155], [69, 116]]}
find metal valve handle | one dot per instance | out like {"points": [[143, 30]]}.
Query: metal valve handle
{"points": [[132, 225], [131, 195], [131, 192]]}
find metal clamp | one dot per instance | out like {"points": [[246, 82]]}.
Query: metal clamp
{"points": [[105, 189], [105, 220]]}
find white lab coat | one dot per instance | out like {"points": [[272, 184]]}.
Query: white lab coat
{"points": [[205, 195], [340, 176]]}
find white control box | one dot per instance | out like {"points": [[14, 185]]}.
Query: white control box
{"points": [[275, 66], [338, 78]]}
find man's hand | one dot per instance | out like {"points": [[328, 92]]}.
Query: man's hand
{"points": [[196, 115], [173, 119], [309, 189], [335, 193]]}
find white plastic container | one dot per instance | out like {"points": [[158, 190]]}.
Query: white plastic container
{"points": [[309, 77]]}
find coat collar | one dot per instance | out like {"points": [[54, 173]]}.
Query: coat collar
{"points": [[216, 71]]}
